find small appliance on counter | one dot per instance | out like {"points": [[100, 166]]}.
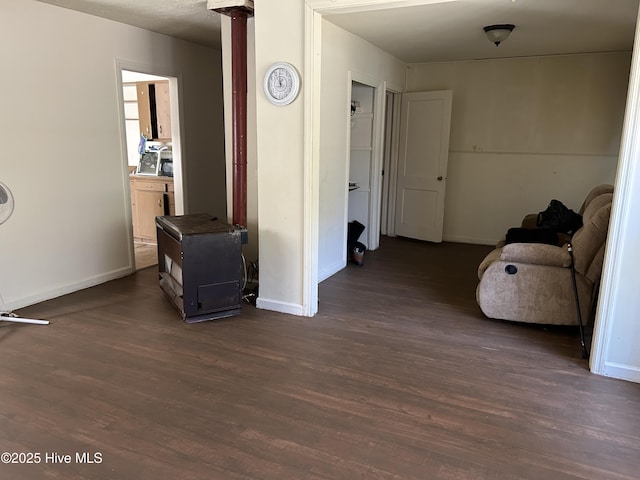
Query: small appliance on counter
{"points": [[156, 160], [166, 165]]}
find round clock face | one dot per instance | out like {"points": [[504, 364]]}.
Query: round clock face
{"points": [[281, 83]]}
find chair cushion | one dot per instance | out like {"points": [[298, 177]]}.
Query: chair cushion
{"points": [[595, 205], [591, 237], [536, 254], [595, 192]]}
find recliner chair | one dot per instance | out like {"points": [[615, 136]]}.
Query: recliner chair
{"points": [[529, 282]]}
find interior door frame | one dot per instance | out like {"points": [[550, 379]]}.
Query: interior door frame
{"points": [[179, 169], [390, 180], [377, 154]]}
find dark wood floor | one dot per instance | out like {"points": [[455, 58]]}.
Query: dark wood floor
{"points": [[399, 376]]}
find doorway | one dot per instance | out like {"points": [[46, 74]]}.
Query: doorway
{"points": [[151, 131], [365, 161], [416, 145], [361, 153]]}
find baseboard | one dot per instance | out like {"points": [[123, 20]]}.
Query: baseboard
{"points": [[471, 240], [621, 371], [69, 288], [282, 307]]}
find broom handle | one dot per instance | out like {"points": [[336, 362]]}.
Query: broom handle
{"points": [[585, 352]]}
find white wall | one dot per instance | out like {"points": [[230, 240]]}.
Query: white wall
{"points": [[63, 146], [344, 57], [279, 34], [524, 131]]}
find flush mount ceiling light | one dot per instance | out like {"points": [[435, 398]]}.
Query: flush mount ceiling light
{"points": [[498, 33]]}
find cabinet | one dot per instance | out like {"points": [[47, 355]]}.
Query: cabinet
{"points": [[150, 197], [163, 110], [154, 109], [200, 265], [144, 109]]}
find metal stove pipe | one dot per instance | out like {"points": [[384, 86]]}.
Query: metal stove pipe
{"points": [[239, 15]]}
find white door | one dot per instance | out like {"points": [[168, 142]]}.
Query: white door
{"points": [[422, 164]]}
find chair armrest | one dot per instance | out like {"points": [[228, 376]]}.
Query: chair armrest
{"points": [[536, 254]]}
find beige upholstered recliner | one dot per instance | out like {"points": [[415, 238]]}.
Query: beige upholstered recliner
{"points": [[531, 282]]}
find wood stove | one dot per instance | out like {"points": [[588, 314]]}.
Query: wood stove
{"points": [[200, 265]]}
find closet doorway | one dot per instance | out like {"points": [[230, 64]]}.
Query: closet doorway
{"points": [[366, 141]]}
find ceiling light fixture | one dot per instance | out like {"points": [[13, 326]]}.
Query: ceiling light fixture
{"points": [[498, 33]]}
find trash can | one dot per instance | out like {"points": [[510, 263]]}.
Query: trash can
{"points": [[357, 254], [355, 249]]}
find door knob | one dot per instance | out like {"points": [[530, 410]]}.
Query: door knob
{"points": [[440, 179]]}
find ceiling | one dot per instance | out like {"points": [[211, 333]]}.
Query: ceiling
{"points": [[186, 19], [429, 33]]}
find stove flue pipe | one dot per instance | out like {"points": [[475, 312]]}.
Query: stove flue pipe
{"points": [[239, 15], [239, 100]]}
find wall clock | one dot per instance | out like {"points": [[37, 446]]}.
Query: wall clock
{"points": [[281, 83]]}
